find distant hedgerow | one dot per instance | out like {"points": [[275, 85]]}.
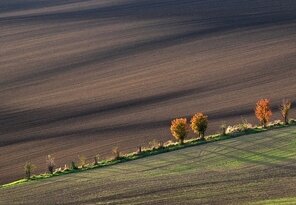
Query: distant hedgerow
{"points": [[180, 129]]}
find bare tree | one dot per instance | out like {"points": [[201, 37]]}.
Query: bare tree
{"points": [[50, 164], [29, 167], [285, 108]]}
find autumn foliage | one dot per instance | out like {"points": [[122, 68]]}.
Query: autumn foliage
{"points": [[180, 129], [263, 111], [199, 124], [285, 108]]}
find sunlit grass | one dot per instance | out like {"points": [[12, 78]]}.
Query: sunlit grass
{"points": [[281, 201]]}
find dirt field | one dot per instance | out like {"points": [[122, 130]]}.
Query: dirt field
{"points": [[78, 77], [254, 168]]}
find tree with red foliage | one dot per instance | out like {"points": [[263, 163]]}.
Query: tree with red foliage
{"points": [[263, 111]]}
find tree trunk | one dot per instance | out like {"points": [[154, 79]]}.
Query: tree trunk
{"points": [[139, 150], [202, 135], [223, 131], [28, 174], [286, 120], [264, 123]]}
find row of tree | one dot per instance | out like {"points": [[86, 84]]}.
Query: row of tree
{"points": [[29, 167], [180, 129], [199, 122]]}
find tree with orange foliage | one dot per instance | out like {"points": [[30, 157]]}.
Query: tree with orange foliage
{"points": [[285, 108], [199, 124], [263, 111], [180, 129]]}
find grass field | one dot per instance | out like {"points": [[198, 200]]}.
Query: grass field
{"points": [[251, 169]]}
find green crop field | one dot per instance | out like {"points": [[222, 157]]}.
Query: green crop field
{"points": [[251, 169]]}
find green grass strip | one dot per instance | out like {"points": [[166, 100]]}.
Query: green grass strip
{"points": [[147, 153]]}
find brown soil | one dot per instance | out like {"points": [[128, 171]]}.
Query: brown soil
{"points": [[79, 77]]}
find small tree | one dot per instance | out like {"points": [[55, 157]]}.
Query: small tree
{"points": [[29, 167], [116, 153], [82, 161], [263, 111], [50, 164], [199, 124], [180, 129], [73, 166], [285, 108], [96, 159], [139, 150], [223, 128]]}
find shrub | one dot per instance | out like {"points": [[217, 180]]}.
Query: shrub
{"points": [[160, 144], [29, 167], [223, 128], [82, 161], [245, 125], [263, 111], [96, 159], [50, 163], [116, 153], [154, 144], [73, 165], [199, 124], [275, 123], [242, 127], [58, 170], [285, 108], [180, 129], [233, 129], [169, 143], [66, 168], [292, 121]]}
